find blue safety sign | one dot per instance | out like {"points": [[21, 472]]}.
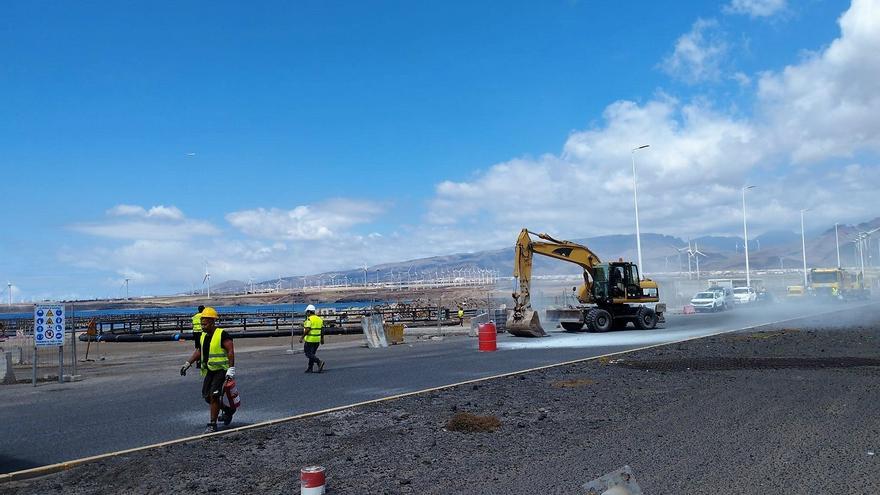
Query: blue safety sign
{"points": [[48, 331]]}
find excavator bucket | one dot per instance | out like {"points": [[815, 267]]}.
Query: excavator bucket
{"points": [[527, 325]]}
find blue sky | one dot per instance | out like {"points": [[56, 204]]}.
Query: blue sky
{"points": [[142, 140]]}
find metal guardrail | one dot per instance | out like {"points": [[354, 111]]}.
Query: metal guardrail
{"points": [[338, 321]]}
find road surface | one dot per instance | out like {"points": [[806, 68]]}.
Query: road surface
{"points": [[54, 423]]}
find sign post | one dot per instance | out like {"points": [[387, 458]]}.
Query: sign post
{"points": [[49, 332]]}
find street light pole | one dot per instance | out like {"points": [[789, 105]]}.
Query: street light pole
{"points": [[804, 247], [636, 201], [746, 235], [837, 245]]}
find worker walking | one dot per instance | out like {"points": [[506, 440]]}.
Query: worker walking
{"points": [[461, 317], [197, 330], [197, 326], [216, 355], [312, 337]]}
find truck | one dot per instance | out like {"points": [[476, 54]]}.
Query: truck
{"points": [[836, 283]]}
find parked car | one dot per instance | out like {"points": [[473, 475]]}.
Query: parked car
{"points": [[726, 295], [744, 295], [708, 301]]}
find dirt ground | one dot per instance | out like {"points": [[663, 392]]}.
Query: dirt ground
{"points": [[775, 410]]}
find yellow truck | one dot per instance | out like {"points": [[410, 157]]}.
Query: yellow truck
{"points": [[836, 283]]}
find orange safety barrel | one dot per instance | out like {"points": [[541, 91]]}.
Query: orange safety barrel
{"points": [[488, 337]]}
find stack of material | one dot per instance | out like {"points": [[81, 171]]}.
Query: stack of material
{"points": [[374, 331]]}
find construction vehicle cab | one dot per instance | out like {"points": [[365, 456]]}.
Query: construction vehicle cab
{"points": [[612, 294], [836, 283]]}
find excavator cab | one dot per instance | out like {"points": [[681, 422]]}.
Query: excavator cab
{"points": [[617, 282]]}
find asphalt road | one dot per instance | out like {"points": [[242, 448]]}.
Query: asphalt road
{"points": [[55, 423]]}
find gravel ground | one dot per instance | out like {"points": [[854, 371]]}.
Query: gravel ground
{"points": [[772, 410]]}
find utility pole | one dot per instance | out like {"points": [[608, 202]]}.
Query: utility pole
{"points": [[804, 247], [746, 235], [837, 245], [636, 201]]}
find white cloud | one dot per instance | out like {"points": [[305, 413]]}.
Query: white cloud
{"points": [[819, 110], [587, 188], [158, 212], [127, 210], [698, 54], [827, 105], [159, 222], [755, 8], [305, 222]]}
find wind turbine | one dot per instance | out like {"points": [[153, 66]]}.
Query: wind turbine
{"points": [[690, 253], [126, 287], [697, 255], [678, 253], [207, 280]]}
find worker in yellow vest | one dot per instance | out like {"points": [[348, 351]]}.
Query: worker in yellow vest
{"points": [[460, 317], [313, 336], [217, 357], [197, 330]]}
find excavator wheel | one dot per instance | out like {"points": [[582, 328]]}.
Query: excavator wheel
{"points": [[599, 320], [572, 326], [646, 318]]}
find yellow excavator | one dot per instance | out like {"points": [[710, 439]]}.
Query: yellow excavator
{"points": [[611, 296]]}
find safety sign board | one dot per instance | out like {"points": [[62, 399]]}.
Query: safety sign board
{"points": [[49, 325]]}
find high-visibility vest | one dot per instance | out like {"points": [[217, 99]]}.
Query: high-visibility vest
{"points": [[461, 313], [197, 322], [313, 324], [217, 358]]}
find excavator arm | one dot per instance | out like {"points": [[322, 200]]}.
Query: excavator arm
{"points": [[523, 321]]}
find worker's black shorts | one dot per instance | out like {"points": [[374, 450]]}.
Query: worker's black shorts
{"points": [[213, 384]]}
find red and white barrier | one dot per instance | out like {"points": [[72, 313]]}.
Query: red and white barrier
{"points": [[312, 480]]}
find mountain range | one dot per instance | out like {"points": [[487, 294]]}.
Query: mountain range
{"points": [[661, 253]]}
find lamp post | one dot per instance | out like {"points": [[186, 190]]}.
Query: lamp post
{"points": [[636, 201], [804, 246], [837, 245], [746, 235]]}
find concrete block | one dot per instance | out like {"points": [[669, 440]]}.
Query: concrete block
{"points": [[7, 374], [72, 378]]}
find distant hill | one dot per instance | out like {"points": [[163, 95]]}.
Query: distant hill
{"points": [[772, 249]]}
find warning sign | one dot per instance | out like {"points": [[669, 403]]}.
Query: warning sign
{"points": [[48, 325]]}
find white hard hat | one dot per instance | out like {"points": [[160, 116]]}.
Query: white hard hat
{"points": [[310, 307]]}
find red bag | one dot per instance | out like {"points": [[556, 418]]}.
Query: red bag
{"points": [[230, 395]]}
